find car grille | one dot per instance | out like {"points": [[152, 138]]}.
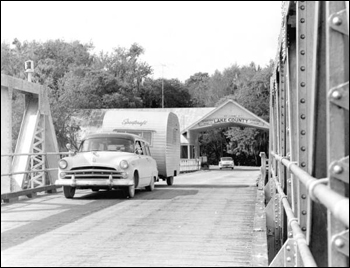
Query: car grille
{"points": [[93, 172]]}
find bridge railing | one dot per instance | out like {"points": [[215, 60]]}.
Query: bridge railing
{"points": [[31, 186], [307, 185], [187, 165]]}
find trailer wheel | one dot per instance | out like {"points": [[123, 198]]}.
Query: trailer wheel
{"points": [[150, 187], [68, 191], [170, 180]]}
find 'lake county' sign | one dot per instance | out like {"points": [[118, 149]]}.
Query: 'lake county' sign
{"points": [[230, 119]]}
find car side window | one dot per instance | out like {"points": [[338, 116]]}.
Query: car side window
{"points": [[148, 150], [144, 149], [138, 148]]}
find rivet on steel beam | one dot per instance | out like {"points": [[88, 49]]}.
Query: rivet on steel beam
{"points": [[303, 132], [290, 234], [302, 84], [303, 229], [303, 164], [302, 7], [303, 196], [289, 259], [303, 116], [288, 248], [302, 36], [302, 68], [337, 20], [303, 212], [289, 182], [276, 222], [302, 20], [302, 100], [302, 52], [339, 243], [303, 148], [336, 95], [337, 169]]}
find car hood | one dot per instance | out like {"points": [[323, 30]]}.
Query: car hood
{"points": [[98, 158]]}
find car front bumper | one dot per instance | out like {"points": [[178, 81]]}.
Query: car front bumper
{"points": [[110, 182], [226, 166]]}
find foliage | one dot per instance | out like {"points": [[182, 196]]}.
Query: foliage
{"points": [[77, 79], [213, 145], [198, 87]]}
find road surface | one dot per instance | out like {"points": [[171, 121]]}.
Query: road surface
{"points": [[204, 219]]}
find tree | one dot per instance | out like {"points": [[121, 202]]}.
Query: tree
{"points": [[198, 87], [175, 94], [213, 145]]}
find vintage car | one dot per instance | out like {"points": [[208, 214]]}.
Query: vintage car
{"points": [[108, 161], [226, 162]]}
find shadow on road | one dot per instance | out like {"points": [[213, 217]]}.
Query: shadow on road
{"points": [[74, 212], [207, 186]]}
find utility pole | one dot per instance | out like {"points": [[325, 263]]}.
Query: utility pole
{"points": [[163, 65]]}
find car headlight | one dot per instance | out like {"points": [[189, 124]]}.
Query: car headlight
{"points": [[124, 164], [63, 164]]}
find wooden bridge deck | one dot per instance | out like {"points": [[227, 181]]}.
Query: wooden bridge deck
{"points": [[205, 219]]}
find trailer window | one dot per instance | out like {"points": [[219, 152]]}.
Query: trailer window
{"points": [[147, 136]]}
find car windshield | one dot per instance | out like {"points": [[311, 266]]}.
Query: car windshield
{"points": [[107, 144], [226, 158]]}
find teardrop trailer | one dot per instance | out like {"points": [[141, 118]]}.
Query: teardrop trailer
{"points": [[160, 129]]}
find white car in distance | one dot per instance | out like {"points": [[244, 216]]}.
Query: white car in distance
{"points": [[226, 162]]}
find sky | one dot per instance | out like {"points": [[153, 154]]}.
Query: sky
{"points": [[179, 38]]}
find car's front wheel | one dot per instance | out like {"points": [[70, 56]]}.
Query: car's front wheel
{"points": [[131, 191], [69, 191]]}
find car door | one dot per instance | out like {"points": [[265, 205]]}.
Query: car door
{"points": [[152, 165], [142, 163]]}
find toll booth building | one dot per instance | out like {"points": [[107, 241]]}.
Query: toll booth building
{"points": [[192, 121]]}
